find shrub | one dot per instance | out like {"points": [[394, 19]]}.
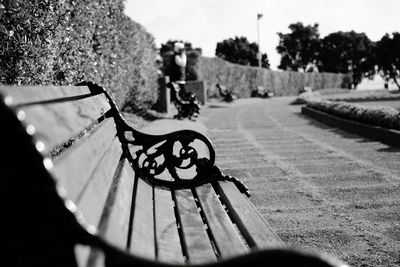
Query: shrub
{"points": [[64, 42], [386, 117]]}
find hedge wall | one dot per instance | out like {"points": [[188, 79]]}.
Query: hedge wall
{"points": [[63, 42], [243, 79]]}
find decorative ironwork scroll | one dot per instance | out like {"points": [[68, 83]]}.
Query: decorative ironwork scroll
{"points": [[181, 159]]}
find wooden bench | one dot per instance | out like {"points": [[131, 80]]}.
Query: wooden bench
{"points": [[185, 102], [81, 187], [261, 92], [226, 94]]}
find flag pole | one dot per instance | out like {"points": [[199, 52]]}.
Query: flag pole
{"points": [[259, 56]]}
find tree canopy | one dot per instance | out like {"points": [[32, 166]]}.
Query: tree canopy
{"points": [[387, 57], [346, 52], [239, 50], [339, 52], [299, 47]]}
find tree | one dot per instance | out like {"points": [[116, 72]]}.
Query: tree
{"points": [[239, 50], [387, 57], [347, 52], [299, 47]]}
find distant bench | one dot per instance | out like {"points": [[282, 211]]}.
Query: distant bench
{"points": [[261, 92], [226, 94], [185, 102], [82, 186]]}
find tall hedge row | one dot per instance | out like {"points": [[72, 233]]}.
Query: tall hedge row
{"points": [[63, 42], [243, 79]]}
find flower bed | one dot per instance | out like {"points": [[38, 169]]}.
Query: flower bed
{"points": [[385, 117], [367, 95]]}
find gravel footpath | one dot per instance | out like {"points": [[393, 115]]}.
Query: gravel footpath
{"points": [[320, 188]]}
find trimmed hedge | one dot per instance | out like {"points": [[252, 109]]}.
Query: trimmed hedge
{"points": [[386, 117], [65, 42], [243, 79], [346, 95], [367, 95]]}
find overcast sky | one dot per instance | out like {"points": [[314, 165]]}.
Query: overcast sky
{"points": [[206, 22]]}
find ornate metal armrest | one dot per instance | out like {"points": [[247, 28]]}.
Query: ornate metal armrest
{"points": [[181, 159]]}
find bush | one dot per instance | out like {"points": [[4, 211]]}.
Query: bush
{"points": [[64, 42], [305, 97], [386, 117], [243, 79]]}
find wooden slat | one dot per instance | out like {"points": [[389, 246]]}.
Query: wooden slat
{"points": [[82, 255], [228, 240], [198, 245], [142, 239], [254, 228], [74, 167], [58, 122], [115, 224], [29, 94], [94, 196], [169, 247]]}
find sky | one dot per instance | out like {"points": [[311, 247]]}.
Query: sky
{"points": [[204, 23]]}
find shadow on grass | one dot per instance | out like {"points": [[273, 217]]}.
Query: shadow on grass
{"points": [[389, 149]]}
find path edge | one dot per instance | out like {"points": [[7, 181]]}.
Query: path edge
{"points": [[384, 135]]}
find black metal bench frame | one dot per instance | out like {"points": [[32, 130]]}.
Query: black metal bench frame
{"points": [[29, 187], [226, 94], [185, 102], [261, 92]]}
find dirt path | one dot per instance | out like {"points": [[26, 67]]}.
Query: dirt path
{"points": [[320, 188]]}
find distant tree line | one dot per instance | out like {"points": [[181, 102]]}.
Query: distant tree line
{"points": [[302, 49], [340, 52]]}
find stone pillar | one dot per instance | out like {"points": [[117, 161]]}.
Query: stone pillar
{"points": [[164, 96]]}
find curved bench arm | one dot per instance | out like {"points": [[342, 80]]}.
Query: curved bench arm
{"points": [[177, 160]]}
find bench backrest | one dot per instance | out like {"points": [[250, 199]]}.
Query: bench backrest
{"points": [[73, 131]]}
